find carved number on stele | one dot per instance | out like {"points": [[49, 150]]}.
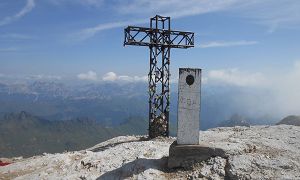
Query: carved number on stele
{"points": [[187, 101]]}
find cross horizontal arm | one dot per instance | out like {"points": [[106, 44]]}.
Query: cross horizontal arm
{"points": [[141, 36]]}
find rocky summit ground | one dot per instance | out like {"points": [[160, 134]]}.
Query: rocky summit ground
{"points": [[256, 152]]}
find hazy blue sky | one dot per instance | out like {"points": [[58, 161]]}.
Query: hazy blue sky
{"points": [[84, 38]]}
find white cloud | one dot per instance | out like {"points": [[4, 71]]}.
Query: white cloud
{"points": [[90, 32], [44, 77], [214, 44], [273, 14], [95, 3], [235, 77], [30, 4], [11, 49], [276, 93], [22, 77], [286, 87], [90, 75], [132, 78], [174, 8], [15, 36], [111, 76]]}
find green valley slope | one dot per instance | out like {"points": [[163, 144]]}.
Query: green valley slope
{"points": [[22, 134]]}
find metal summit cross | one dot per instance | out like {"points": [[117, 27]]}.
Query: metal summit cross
{"points": [[160, 39]]}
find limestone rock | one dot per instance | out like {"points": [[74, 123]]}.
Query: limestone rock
{"points": [[256, 152]]}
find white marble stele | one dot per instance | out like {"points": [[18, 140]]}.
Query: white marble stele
{"points": [[189, 89]]}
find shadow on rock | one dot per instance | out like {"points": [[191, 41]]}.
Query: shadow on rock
{"points": [[136, 167], [102, 148]]}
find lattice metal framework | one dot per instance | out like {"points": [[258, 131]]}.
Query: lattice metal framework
{"points": [[160, 39]]}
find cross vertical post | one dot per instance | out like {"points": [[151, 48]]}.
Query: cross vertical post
{"points": [[160, 39]]}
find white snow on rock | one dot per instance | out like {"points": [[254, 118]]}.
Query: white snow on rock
{"points": [[268, 152]]}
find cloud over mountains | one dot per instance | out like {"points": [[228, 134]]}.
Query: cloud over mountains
{"points": [[110, 77], [90, 75]]}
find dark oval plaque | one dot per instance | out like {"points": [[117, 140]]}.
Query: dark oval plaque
{"points": [[190, 80]]}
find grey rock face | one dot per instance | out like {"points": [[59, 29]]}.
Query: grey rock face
{"points": [[256, 152], [259, 152]]}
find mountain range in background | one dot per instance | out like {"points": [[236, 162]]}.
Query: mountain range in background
{"points": [[48, 116], [22, 134], [235, 120], [108, 104], [111, 103]]}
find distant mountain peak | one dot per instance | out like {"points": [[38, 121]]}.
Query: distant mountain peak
{"points": [[235, 120], [290, 120]]}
